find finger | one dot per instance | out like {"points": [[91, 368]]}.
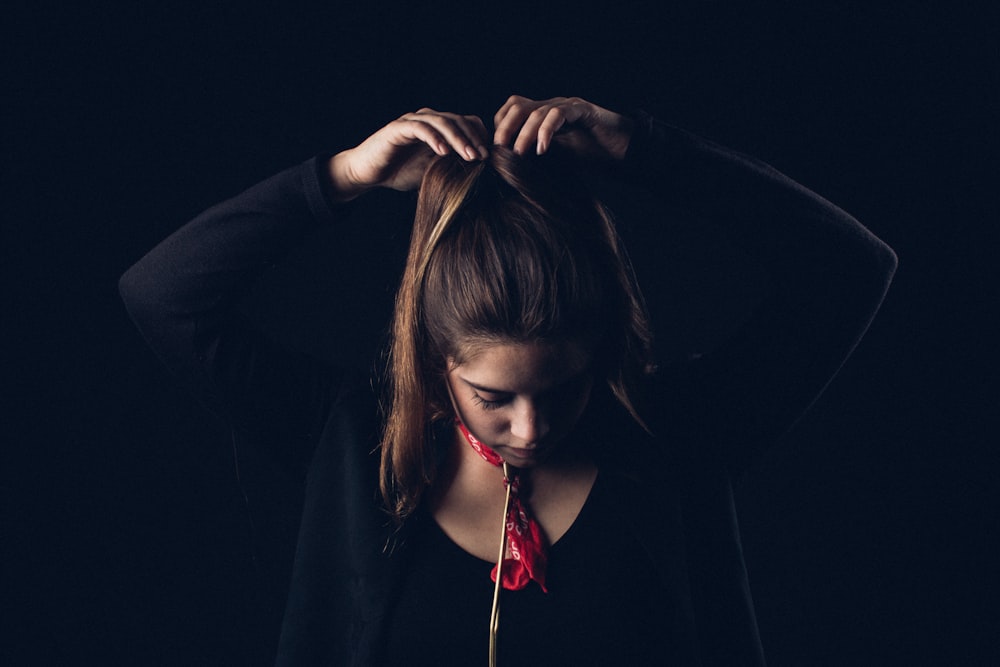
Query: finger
{"points": [[565, 113], [527, 135], [463, 135], [551, 123], [510, 118], [407, 130], [536, 133], [482, 134], [474, 130], [505, 107]]}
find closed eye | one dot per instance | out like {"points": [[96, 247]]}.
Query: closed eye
{"points": [[489, 404]]}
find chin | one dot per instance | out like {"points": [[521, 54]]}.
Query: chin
{"points": [[523, 458]]}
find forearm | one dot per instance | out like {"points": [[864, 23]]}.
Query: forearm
{"points": [[826, 276], [184, 290], [762, 210]]}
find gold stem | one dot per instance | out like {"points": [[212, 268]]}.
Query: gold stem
{"points": [[495, 612]]}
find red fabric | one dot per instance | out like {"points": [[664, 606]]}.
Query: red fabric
{"points": [[528, 555]]}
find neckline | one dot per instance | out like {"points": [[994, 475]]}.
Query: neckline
{"points": [[584, 511]]}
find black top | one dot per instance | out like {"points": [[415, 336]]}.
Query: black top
{"points": [[712, 417], [605, 605]]}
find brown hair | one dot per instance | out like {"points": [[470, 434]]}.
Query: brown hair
{"points": [[510, 249]]}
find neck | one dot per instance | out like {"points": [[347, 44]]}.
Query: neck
{"points": [[467, 497], [466, 472]]}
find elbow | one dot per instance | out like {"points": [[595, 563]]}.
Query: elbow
{"points": [[884, 262], [126, 286], [890, 261], [856, 266], [139, 295], [865, 257], [130, 290], [872, 274]]}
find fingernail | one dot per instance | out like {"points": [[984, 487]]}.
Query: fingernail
{"points": [[470, 153], [483, 153]]}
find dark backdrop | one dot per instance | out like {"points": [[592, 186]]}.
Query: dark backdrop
{"points": [[126, 536]]}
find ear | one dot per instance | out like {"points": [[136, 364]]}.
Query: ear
{"points": [[451, 397]]}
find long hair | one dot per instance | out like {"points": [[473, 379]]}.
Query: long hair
{"points": [[507, 250]]}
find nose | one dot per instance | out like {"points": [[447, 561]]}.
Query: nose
{"points": [[529, 424]]}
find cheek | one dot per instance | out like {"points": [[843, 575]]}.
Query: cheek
{"points": [[569, 410], [485, 425], [579, 409]]}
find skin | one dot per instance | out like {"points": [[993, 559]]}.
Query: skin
{"points": [[537, 392], [521, 399], [588, 130], [397, 155]]}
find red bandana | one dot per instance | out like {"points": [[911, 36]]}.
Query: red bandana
{"points": [[524, 536]]}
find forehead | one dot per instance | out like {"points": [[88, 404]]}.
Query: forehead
{"points": [[522, 367]]}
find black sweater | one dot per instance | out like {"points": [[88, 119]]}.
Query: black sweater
{"points": [[711, 417]]}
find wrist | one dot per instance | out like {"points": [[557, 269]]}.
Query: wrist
{"points": [[623, 137], [344, 185], [639, 140]]}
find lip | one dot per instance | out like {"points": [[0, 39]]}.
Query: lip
{"points": [[520, 454]]}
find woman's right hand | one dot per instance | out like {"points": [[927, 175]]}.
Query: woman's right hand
{"points": [[398, 154]]}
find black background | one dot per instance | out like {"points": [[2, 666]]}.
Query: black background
{"points": [[125, 539]]}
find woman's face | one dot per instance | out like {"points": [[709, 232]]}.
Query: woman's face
{"points": [[521, 399]]}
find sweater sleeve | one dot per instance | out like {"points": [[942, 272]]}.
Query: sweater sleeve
{"points": [[184, 296], [826, 275]]}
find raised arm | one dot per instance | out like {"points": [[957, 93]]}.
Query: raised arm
{"points": [[183, 295], [827, 274]]}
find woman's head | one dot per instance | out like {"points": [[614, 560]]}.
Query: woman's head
{"points": [[510, 251]]}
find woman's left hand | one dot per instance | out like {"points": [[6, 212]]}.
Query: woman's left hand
{"points": [[586, 129]]}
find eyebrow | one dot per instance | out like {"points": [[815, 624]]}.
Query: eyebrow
{"points": [[491, 390], [488, 390]]}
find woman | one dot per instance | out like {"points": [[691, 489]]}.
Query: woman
{"points": [[524, 438]]}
